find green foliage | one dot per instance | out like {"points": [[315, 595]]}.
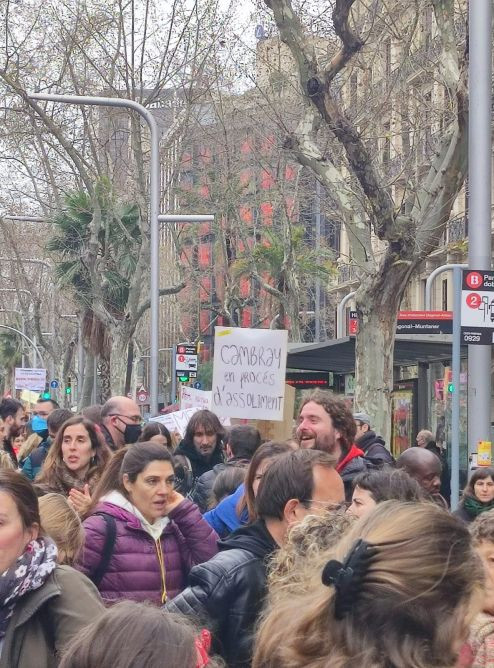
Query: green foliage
{"points": [[269, 256], [205, 375], [116, 245]]}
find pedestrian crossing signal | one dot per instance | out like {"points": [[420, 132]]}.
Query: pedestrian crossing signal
{"points": [[451, 388]]}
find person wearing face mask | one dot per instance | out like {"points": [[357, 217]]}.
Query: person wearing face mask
{"points": [[142, 537], [74, 463], [34, 461], [121, 422]]}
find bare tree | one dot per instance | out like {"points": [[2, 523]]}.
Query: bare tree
{"points": [[393, 221]]}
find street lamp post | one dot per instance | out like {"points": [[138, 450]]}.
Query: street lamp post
{"points": [[154, 198], [479, 203]]}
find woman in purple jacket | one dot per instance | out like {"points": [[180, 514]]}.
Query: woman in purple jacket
{"points": [[143, 537]]}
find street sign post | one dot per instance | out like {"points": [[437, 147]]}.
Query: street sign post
{"points": [[477, 307]]}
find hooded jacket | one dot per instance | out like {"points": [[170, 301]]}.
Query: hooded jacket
{"points": [[45, 619], [374, 447], [144, 553], [228, 591]]}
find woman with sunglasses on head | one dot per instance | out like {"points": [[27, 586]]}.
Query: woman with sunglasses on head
{"points": [[142, 536]]}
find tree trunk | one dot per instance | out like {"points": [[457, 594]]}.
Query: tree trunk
{"points": [[85, 398], [378, 301], [119, 362]]}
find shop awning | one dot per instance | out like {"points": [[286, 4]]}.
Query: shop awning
{"points": [[338, 355]]}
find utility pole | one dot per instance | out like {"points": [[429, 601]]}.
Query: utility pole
{"points": [[479, 205], [154, 205]]}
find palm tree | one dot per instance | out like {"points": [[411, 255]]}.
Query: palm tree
{"points": [[96, 247], [286, 266]]}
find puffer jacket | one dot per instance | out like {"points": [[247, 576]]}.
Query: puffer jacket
{"points": [[227, 593], [46, 619], [134, 570]]}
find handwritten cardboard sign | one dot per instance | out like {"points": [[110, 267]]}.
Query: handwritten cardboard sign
{"points": [[192, 398], [249, 372]]}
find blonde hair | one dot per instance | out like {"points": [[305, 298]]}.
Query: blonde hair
{"points": [[307, 540], [6, 461], [413, 604], [61, 522], [30, 444]]}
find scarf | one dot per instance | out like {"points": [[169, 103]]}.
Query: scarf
{"points": [[29, 572], [351, 454], [474, 507]]}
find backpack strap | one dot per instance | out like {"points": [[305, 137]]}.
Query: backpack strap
{"points": [[108, 547]]}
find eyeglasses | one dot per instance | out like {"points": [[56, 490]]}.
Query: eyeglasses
{"points": [[136, 419]]}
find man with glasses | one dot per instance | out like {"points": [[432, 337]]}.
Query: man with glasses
{"points": [[230, 588], [121, 422]]}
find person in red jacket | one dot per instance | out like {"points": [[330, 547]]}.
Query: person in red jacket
{"points": [[142, 536], [326, 423]]}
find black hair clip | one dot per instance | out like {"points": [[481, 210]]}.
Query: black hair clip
{"points": [[347, 577]]}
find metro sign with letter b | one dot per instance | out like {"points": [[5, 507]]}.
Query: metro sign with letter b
{"points": [[477, 307]]}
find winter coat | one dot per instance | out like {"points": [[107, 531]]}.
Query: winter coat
{"points": [[203, 489], [228, 591], [352, 465], [374, 448], [198, 462], [45, 619], [224, 518], [134, 570], [481, 641], [34, 462]]}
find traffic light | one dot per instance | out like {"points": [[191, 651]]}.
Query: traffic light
{"points": [[451, 388], [46, 394], [184, 378], [68, 386]]}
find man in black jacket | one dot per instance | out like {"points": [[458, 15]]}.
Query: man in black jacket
{"points": [[242, 441], [367, 440], [227, 592], [201, 448]]}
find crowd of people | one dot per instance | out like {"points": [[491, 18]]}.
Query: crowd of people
{"points": [[123, 545]]}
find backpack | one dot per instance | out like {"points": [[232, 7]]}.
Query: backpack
{"points": [[108, 547]]}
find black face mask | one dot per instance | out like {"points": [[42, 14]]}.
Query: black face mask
{"points": [[131, 433]]}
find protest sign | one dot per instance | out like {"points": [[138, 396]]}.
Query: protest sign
{"points": [[177, 421], [249, 372], [30, 379], [192, 398]]}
